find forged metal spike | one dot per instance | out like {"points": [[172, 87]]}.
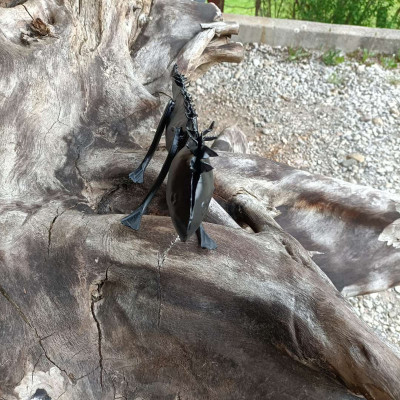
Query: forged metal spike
{"points": [[192, 137], [208, 152], [204, 167], [208, 130]]}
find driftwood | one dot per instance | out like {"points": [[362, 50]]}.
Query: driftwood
{"points": [[93, 310], [352, 232]]}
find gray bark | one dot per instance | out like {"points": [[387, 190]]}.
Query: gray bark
{"points": [[93, 310]]}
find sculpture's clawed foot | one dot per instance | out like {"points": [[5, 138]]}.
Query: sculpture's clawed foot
{"points": [[137, 175], [133, 220], [205, 241]]}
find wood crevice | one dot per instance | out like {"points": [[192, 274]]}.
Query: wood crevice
{"points": [[96, 296], [50, 232], [161, 260], [86, 375], [16, 307], [26, 320], [58, 214], [23, 5], [69, 375], [289, 251]]}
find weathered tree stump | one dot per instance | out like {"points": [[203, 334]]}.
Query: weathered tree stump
{"points": [[93, 310]]}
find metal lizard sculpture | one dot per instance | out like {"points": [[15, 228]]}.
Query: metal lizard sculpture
{"points": [[190, 183]]}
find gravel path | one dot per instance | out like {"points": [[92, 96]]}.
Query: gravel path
{"points": [[341, 121]]}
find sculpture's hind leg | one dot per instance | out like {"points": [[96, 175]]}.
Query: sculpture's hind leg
{"points": [[133, 220], [204, 240], [137, 175]]}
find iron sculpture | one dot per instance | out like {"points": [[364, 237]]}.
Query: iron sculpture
{"points": [[190, 183]]}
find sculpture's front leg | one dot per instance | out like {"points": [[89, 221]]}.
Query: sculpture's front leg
{"points": [[133, 220], [137, 175]]}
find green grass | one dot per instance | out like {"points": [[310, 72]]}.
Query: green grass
{"points": [[297, 54], [366, 57], [242, 7], [332, 57], [388, 62], [284, 9]]}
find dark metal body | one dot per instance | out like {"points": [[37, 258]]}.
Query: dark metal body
{"points": [[190, 183], [188, 205]]}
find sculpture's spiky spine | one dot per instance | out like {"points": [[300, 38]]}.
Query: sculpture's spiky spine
{"points": [[190, 110]]}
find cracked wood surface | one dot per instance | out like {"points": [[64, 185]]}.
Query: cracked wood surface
{"points": [[167, 317], [92, 310], [160, 322]]}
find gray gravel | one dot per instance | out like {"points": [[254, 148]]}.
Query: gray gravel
{"points": [[341, 121], [381, 311]]}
